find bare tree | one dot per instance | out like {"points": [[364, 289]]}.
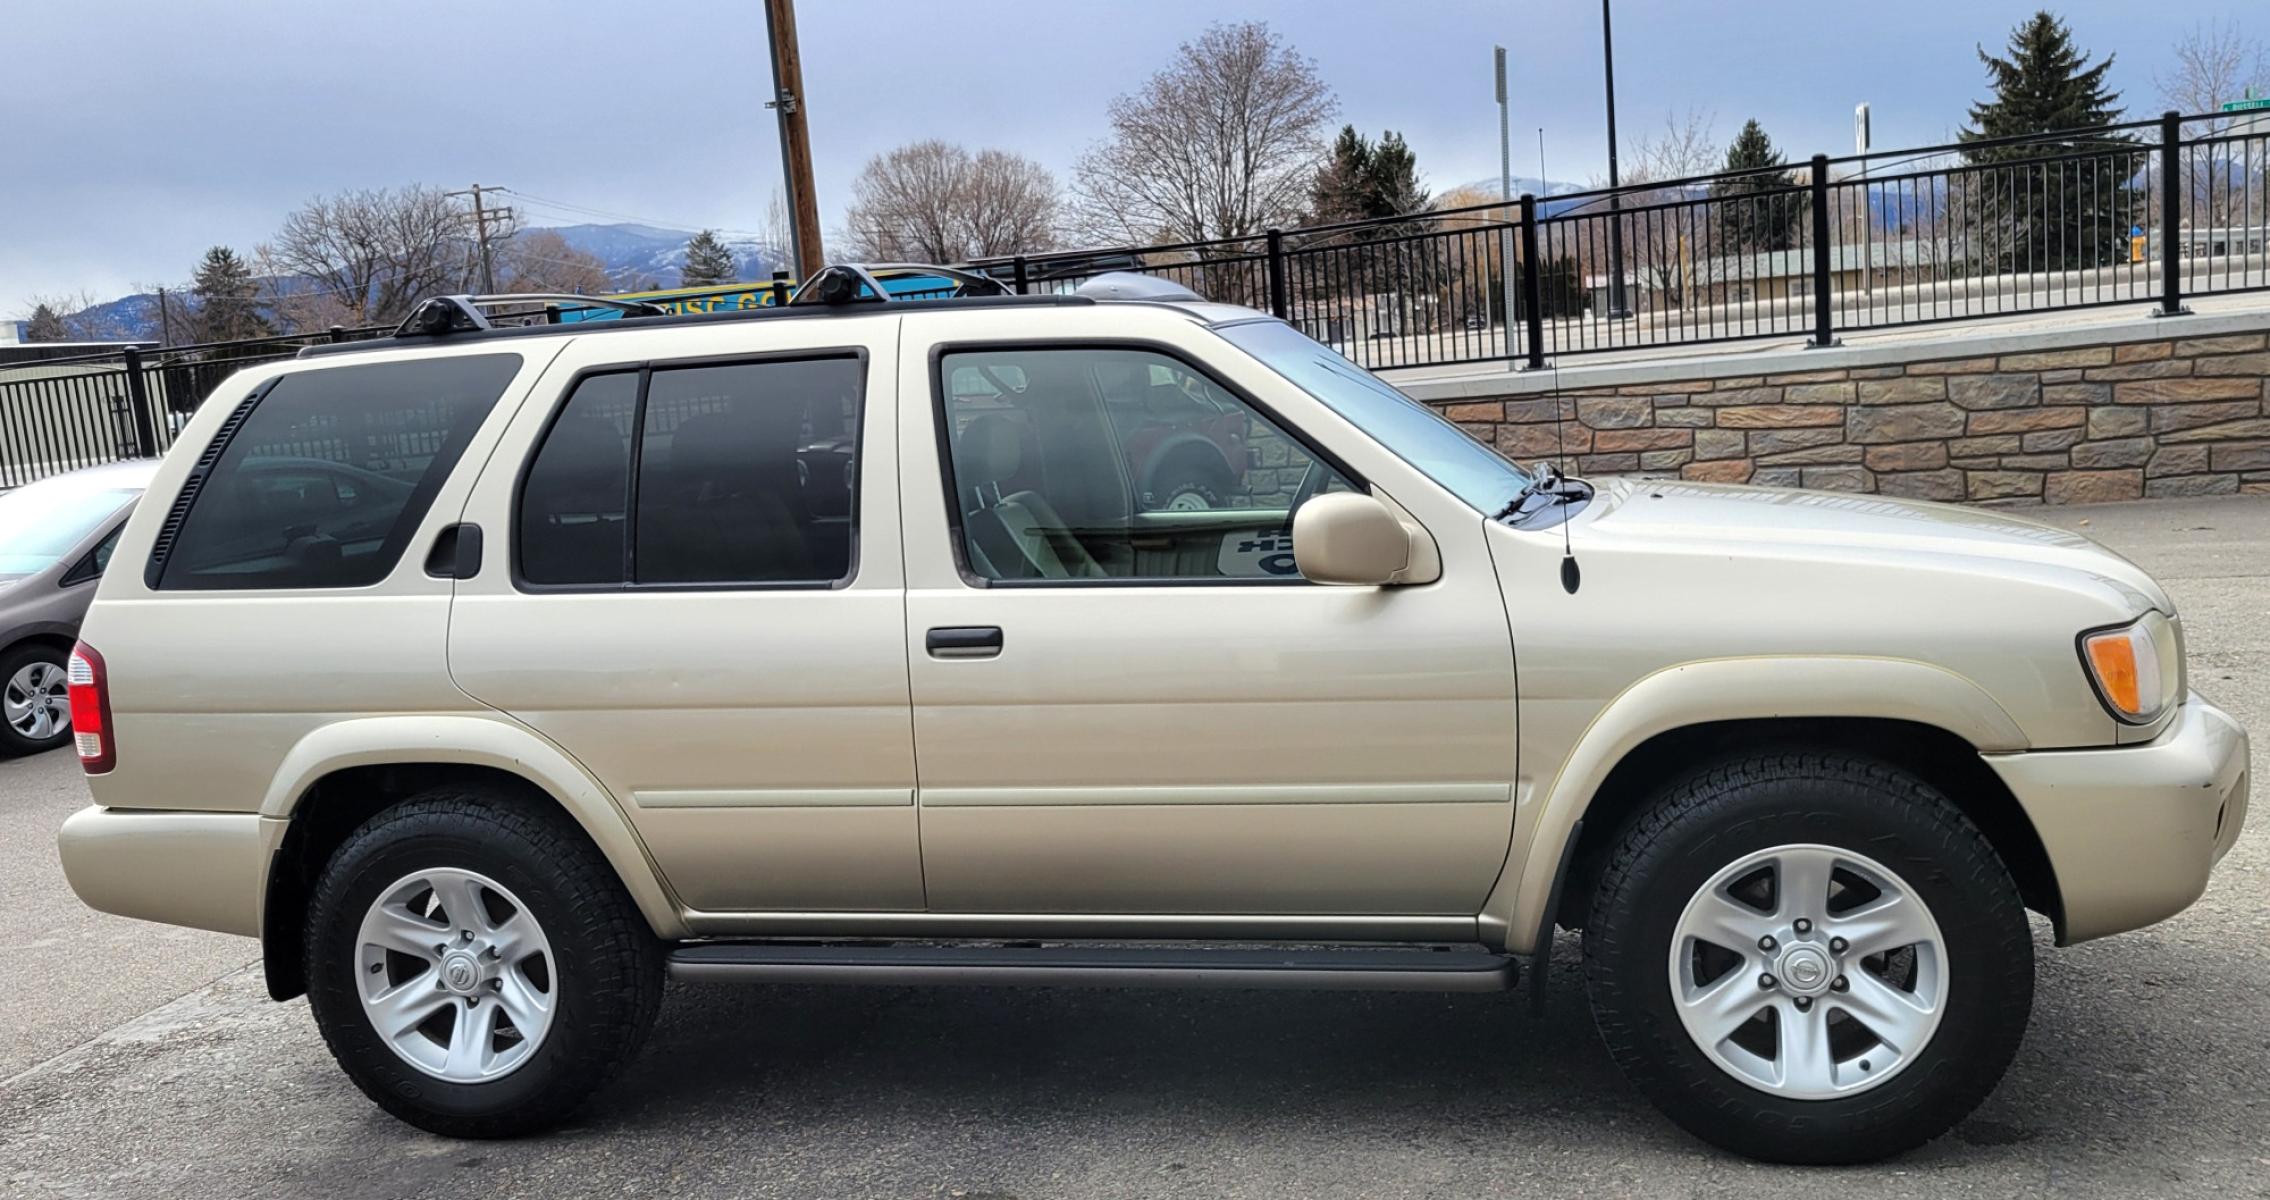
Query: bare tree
{"points": [[904, 204], [1658, 245], [2214, 64], [367, 257], [1222, 143], [1009, 205], [933, 201], [540, 260], [774, 239], [64, 318]]}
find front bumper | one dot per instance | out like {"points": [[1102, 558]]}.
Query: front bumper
{"points": [[2132, 832], [200, 869]]}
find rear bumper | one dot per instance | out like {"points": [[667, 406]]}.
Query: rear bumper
{"points": [[203, 870], [2133, 832]]}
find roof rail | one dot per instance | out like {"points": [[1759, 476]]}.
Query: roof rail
{"points": [[438, 315]]}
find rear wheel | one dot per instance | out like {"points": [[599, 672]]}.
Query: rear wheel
{"points": [[1809, 958], [475, 966], [35, 700]]}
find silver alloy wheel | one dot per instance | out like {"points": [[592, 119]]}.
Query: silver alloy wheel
{"points": [[37, 701], [1188, 500], [1809, 972], [455, 975]]}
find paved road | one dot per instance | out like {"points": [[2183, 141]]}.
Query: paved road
{"points": [[2145, 1073]]}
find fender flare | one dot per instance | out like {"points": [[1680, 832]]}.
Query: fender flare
{"points": [[1702, 692], [487, 741]]}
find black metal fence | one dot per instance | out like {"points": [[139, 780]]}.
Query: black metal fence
{"points": [[58, 414], [2143, 212]]}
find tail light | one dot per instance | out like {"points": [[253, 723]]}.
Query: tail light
{"points": [[90, 710]]}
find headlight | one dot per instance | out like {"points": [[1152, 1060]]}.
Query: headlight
{"points": [[2137, 668]]}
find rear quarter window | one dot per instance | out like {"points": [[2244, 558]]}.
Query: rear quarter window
{"points": [[323, 482]]}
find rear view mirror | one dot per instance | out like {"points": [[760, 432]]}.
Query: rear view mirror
{"points": [[1355, 539]]}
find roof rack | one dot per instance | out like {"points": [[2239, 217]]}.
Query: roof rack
{"points": [[438, 315], [461, 318], [871, 283]]}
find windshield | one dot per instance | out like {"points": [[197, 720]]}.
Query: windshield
{"points": [[41, 522], [1415, 433]]}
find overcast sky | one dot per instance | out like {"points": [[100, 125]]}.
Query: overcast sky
{"points": [[135, 133]]}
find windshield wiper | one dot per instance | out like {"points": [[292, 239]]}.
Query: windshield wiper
{"points": [[1545, 480]]}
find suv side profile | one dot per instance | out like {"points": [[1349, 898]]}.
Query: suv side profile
{"points": [[848, 642]]}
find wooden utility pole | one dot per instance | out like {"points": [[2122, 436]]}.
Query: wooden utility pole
{"points": [[795, 136], [481, 218]]}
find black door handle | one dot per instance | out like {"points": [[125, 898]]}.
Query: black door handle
{"points": [[963, 641]]}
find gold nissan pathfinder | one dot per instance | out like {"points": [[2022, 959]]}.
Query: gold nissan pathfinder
{"points": [[490, 675]]}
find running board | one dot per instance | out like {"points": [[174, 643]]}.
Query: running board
{"points": [[1367, 969]]}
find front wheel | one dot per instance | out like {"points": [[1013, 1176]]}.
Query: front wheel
{"points": [[475, 966], [1809, 958]]}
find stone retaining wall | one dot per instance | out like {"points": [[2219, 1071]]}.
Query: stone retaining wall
{"points": [[2173, 416]]}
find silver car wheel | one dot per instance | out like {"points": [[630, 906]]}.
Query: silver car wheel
{"points": [[455, 975], [37, 701], [1809, 972]]}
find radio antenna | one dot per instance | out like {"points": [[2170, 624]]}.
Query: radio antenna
{"points": [[1571, 576]]}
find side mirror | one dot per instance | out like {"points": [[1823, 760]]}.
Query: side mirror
{"points": [[1351, 538]]}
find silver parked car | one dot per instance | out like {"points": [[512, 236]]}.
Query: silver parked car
{"points": [[55, 538]]}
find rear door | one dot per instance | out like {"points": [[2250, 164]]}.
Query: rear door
{"points": [[697, 592]]}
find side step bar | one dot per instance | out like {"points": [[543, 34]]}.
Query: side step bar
{"points": [[1366, 969]]}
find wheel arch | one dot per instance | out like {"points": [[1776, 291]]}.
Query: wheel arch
{"points": [[59, 637], [341, 775], [1914, 715]]}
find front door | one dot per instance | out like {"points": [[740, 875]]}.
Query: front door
{"points": [[705, 606], [1126, 699]]}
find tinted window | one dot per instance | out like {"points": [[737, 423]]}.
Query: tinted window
{"points": [[746, 471], [572, 506], [745, 474], [1118, 463], [327, 479]]}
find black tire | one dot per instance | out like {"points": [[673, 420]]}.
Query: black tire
{"points": [[609, 963], [1709, 821], [1189, 475], [14, 744]]}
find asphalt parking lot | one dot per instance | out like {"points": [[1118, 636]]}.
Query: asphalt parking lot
{"points": [[142, 1061]]}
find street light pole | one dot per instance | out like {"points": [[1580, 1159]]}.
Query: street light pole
{"points": [[1505, 193], [1617, 309]]}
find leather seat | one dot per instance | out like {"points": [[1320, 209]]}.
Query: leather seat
{"points": [[1018, 535]]}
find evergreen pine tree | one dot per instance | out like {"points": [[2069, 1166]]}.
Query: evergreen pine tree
{"points": [[1338, 193], [1395, 189], [708, 262], [46, 325], [228, 299], [2024, 215], [1757, 212], [1362, 180]]}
